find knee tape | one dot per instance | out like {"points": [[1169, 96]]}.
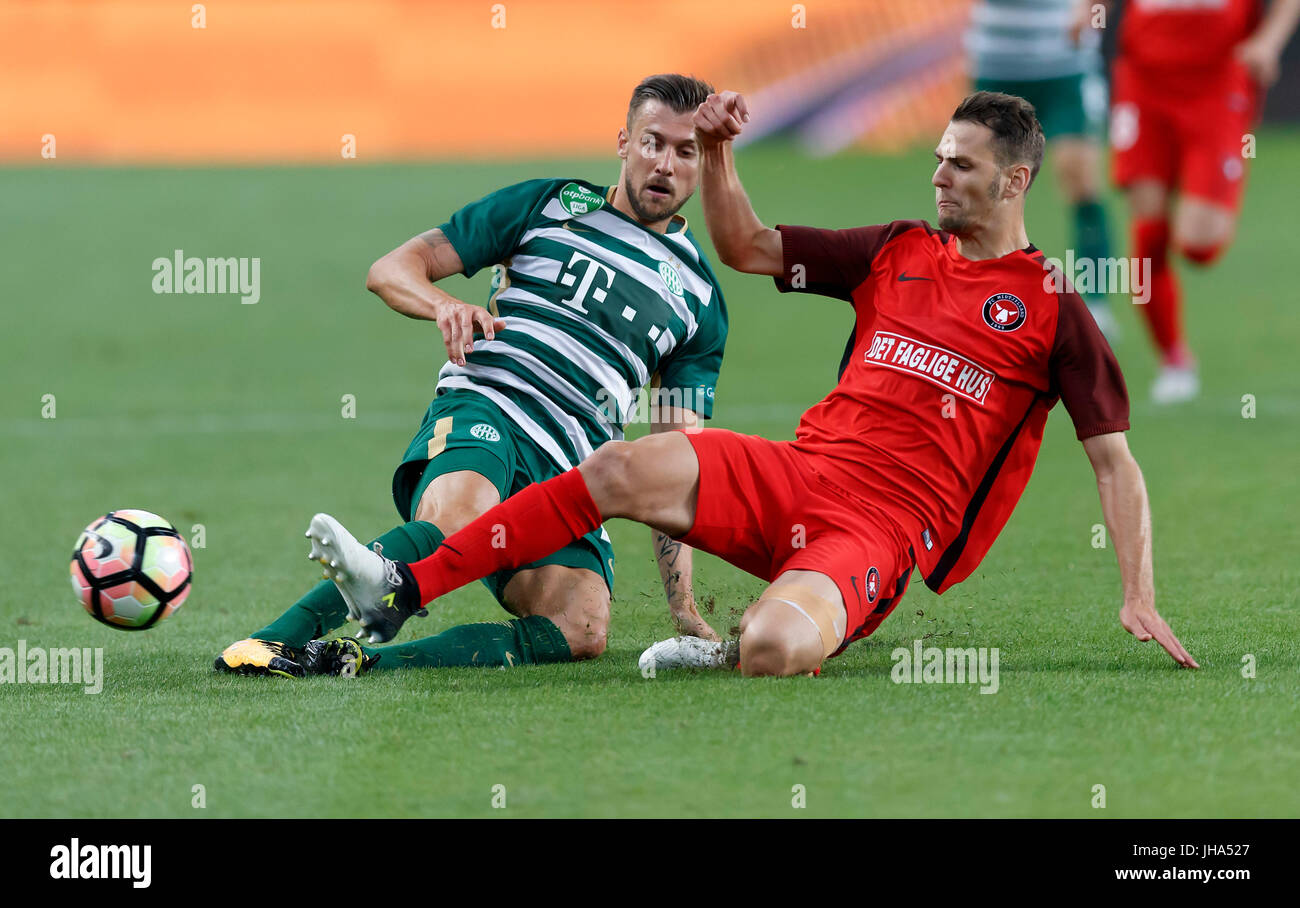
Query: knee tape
{"points": [[823, 613]]}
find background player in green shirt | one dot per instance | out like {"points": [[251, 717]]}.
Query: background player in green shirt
{"points": [[596, 292], [1043, 51]]}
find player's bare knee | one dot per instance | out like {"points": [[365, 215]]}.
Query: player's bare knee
{"points": [[575, 601], [606, 473], [764, 653], [745, 619], [768, 648], [585, 631]]}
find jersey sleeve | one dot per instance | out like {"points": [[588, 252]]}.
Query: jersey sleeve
{"points": [[487, 231], [690, 373], [831, 262], [1085, 373]]}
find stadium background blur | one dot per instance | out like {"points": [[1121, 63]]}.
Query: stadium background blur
{"points": [[274, 82], [229, 140]]}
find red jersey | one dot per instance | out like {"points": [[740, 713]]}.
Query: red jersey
{"points": [[947, 380], [1187, 34]]}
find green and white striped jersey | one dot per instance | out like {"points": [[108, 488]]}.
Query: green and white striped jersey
{"points": [[594, 304], [1028, 40]]}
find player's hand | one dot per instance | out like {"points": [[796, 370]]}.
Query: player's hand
{"points": [[1261, 58], [687, 621], [1145, 623], [720, 118], [460, 323]]}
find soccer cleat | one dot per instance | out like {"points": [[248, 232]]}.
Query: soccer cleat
{"points": [[343, 656], [1175, 385], [260, 657], [689, 652], [380, 593]]}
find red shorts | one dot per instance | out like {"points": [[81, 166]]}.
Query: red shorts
{"points": [[764, 507], [1186, 132]]}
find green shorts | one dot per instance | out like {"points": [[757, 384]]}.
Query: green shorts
{"points": [[464, 430], [1068, 106]]}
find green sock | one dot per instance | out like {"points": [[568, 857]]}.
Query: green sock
{"points": [[1091, 238], [533, 640], [323, 609]]}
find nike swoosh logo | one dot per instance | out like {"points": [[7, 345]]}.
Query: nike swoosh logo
{"points": [[853, 581], [904, 277]]}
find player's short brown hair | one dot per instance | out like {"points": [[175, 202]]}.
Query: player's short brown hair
{"points": [[1017, 134], [681, 93]]}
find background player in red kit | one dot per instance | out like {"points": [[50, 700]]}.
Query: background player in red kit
{"points": [[1187, 86], [917, 457]]}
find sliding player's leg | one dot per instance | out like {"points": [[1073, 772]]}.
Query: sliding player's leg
{"points": [[447, 503], [653, 480], [449, 475], [562, 615], [796, 623], [839, 563], [836, 590]]}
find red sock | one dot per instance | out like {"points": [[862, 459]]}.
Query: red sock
{"points": [[1163, 311], [540, 519]]}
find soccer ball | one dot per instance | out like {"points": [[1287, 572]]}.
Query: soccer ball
{"points": [[131, 569]]}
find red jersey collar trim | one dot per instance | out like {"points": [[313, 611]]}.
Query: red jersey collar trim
{"points": [[950, 246]]}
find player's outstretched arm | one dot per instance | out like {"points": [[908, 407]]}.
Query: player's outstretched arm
{"points": [[404, 280], [739, 236], [1127, 511], [675, 561]]}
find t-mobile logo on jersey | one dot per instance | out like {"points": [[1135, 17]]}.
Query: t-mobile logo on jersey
{"points": [[935, 364]]}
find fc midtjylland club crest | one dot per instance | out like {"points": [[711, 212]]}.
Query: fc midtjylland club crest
{"points": [[577, 200], [873, 584], [1004, 312]]}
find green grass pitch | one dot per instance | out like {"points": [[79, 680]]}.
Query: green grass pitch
{"points": [[229, 415]]}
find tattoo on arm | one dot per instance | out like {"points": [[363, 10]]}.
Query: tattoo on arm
{"points": [[435, 238], [441, 257], [667, 550]]}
